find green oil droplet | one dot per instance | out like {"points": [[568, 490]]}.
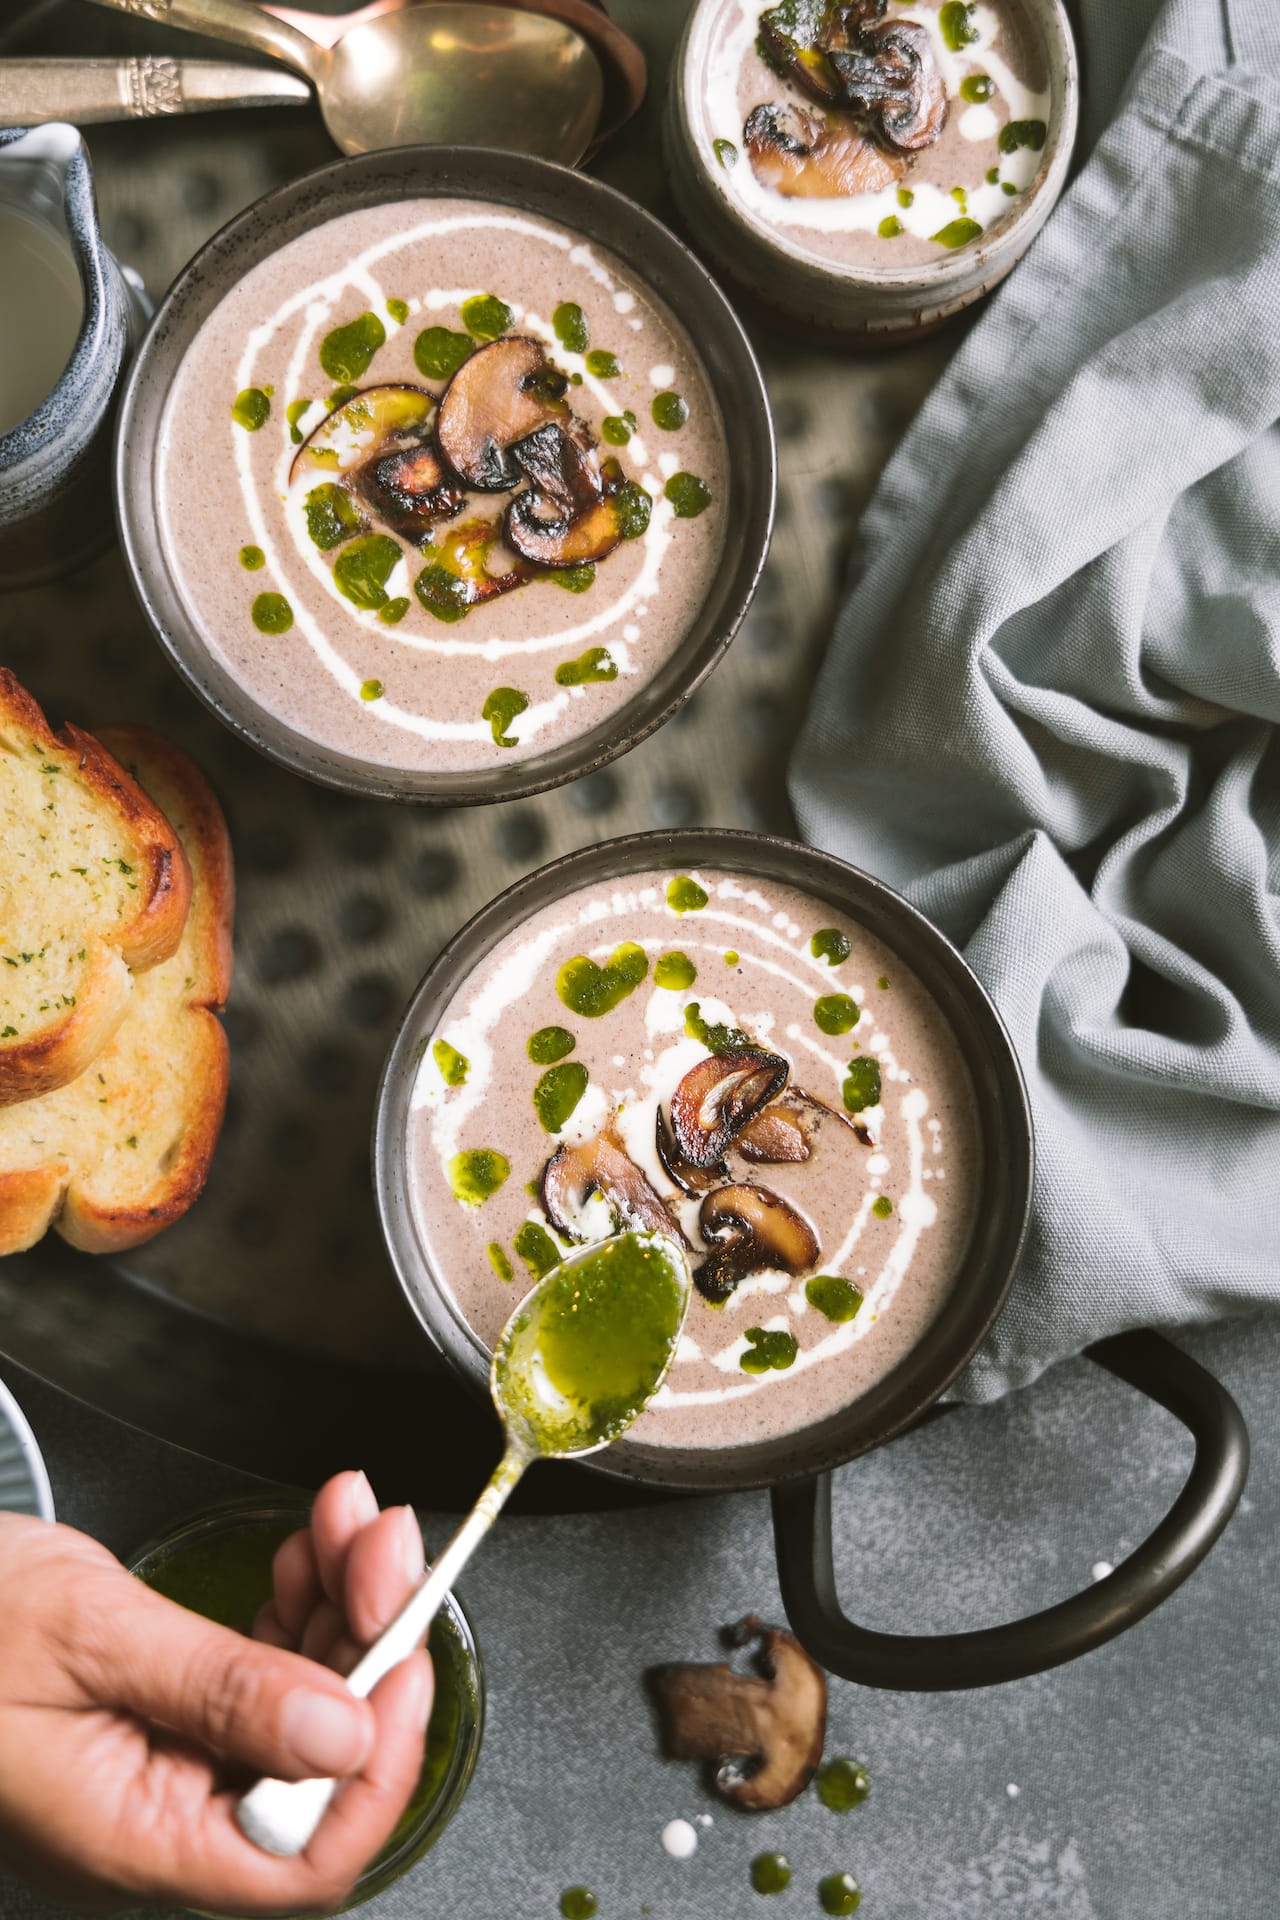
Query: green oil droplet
{"points": [[339, 398], [674, 970], [578, 1903], [501, 707], [346, 352], [557, 1093], [616, 429], [251, 558], [957, 29], [829, 944], [454, 1066], [769, 1351], [595, 664], [669, 411], [957, 233], [272, 613], [862, 1084], [842, 1784], [477, 1174], [836, 1013], [890, 227], [959, 195], [574, 580], [631, 509], [603, 364], [977, 87], [570, 325], [717, 1038], [731, 958], [537, 1249], [905, 197], [394, 612], [883, 983], [1022, 133], [685, 895], [438, 352], [591, 990], [548, 1044], [840, 1892], [371, 689], [250, 409], [882, 1206], [771, 1873], [293, 413], [485, 316], [399, 311], [689, 495], [726, 153], [330, 515], [1007, 186], [838, 1299], [500, 1263], [362, 569]]}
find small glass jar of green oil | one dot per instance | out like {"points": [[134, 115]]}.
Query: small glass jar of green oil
{"points": [[218, 1563]]}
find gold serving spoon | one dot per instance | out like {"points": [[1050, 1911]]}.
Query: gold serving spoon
{"points": [[577, 1362], [449, 74]]}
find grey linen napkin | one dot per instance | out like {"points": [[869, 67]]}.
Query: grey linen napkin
{"points": [[1048, 711]]}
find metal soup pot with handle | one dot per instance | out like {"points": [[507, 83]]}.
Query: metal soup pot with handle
{"points": [[797, 1464]]}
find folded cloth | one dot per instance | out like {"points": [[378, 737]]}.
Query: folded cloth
{"points": [[1049, 709]]}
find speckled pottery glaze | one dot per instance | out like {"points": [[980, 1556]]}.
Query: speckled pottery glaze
{"points": [[862, 304], [596, 215], [55, 466]]}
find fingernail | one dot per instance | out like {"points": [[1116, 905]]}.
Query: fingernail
{"points": [[327, 1733], [423, 1699], [363, 1501], [413, 1560]]}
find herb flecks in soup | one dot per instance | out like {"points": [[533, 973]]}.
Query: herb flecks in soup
{"points": [[822, 1190], [467, 451]]}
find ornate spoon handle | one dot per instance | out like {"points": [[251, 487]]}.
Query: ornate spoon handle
{"points": [[145, 88], [236, 21]]}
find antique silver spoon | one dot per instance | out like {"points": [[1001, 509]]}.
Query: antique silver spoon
{"points": [[466, 74], [577, 1362]]}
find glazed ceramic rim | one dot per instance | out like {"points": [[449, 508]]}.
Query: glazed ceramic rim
{"points": [[12, 1416], [586, 207], [1010, 236], [987, 1269]]}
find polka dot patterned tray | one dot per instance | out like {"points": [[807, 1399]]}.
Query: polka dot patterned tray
{"points": [[344, 903]]}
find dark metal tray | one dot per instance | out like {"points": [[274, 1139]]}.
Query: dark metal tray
{"points": [[267, 1329]]}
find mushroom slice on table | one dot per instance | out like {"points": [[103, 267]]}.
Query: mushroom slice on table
{"points": [[498, 397], [803, 156], [715, 1100], [762, 1733], [574, 1174], [750, 1230]]}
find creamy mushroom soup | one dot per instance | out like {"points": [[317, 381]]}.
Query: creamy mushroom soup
{"points": [[874, 135], [730, 1062], [441, 484]]}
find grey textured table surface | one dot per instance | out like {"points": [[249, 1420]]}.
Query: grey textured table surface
{"points": [[1146, 1774]]}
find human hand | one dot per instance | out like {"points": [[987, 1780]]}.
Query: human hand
{"points": [[122, 1716]]}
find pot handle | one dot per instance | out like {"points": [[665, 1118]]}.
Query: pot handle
{"points": [[948, 1662]]}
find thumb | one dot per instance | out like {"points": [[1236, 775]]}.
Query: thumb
{"points": [[271, 1710]]}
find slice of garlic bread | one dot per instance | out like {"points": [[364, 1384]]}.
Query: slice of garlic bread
{"points": [[125, 1149], [93, 890]]}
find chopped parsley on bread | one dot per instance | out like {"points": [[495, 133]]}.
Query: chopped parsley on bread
{"points": [[124, 1150], [94, 890]]}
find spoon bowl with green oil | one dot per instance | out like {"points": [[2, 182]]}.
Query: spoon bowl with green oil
{"points": [[575, 1365]]}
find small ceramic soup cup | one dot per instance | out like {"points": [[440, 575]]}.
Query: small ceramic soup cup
{"points": [[796, 1465], [587, 210], [786, 271]]}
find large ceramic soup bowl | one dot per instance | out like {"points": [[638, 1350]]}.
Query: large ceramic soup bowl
{"points": [[774, 1059], [445, 474]]}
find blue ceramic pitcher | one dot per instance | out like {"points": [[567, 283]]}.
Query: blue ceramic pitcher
{"points": [[56, 508]]}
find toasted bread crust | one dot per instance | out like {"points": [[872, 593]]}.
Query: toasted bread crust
{"points": [[38, 1063], [102, 1208]]}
